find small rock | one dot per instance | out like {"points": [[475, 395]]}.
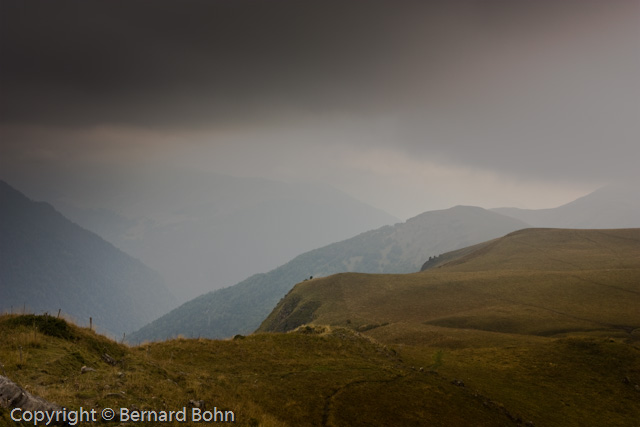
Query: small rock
{"points": [[108, 359], [197, 403], [120, 394], [86, 369], [12, 395]]}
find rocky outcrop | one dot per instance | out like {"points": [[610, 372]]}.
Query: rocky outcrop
{"points": [[14, 396]]}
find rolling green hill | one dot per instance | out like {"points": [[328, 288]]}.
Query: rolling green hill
{"points": [[48, 263], [391, 249]]}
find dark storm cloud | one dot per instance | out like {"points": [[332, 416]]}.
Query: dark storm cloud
{"points": [[194, 62], [527, 87], [148, 62]]}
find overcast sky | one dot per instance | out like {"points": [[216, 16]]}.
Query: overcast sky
{"points": [[406, 105]]}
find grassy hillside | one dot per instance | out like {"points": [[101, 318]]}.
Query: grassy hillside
{"points": [[544, 320], [318, 376], [48, 263], [402, 248], [536, 281]]}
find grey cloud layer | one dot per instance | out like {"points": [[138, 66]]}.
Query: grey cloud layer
{"points": [[536, 88]]}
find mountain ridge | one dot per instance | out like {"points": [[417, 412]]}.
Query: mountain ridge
{"points": [[48, 263], [611, 206], [239, 309]]}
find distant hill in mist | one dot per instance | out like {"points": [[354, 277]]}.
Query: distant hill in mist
{"points": [[49, 263], [613, 206], [205, 231], [401, 248]]}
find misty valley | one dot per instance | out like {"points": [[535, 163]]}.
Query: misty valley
{"points": [[463, 316]]}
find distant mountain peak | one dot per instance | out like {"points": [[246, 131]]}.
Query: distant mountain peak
{"points": [[612, 206]]}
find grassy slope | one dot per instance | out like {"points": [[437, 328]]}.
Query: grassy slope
{"points": [[540, 282], [310, 377], [544, 321]]}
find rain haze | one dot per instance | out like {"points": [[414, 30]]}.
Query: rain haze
{"points": [[407, 106], [214, 140]]}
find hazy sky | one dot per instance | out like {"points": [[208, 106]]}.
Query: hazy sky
{"points": [[406, 105]]}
